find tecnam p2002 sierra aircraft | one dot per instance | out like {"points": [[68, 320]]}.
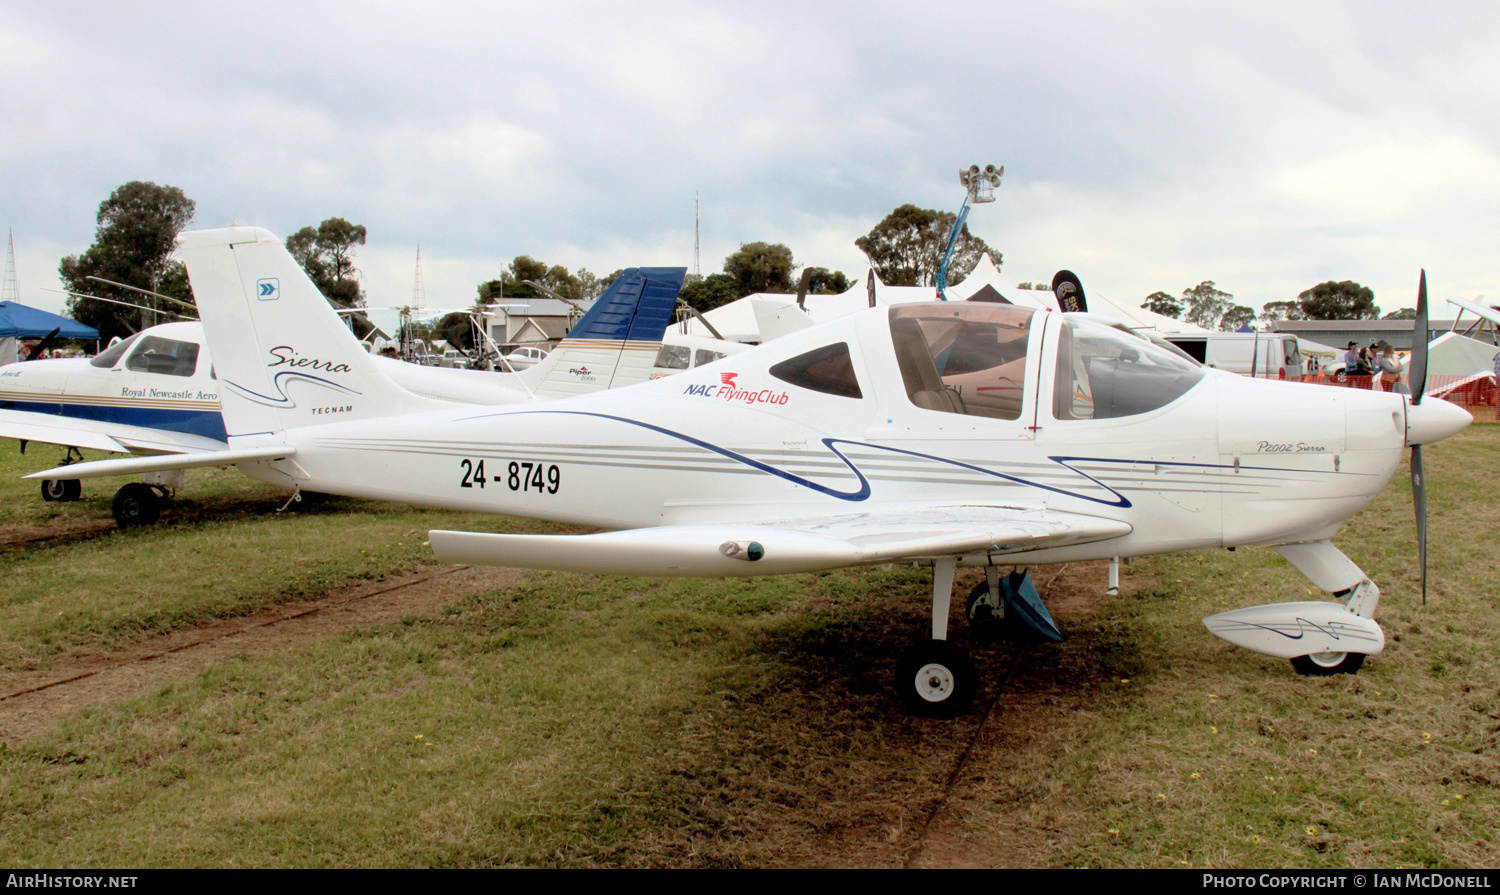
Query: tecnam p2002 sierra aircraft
{"points": [[947, 433]]}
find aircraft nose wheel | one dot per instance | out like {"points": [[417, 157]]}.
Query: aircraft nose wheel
{"points": [[61, 489], [936, 679], [137, 504], [1325, 664]]}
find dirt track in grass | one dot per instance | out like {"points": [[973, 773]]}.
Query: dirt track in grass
{"points": [[33, 702], [968, 805]]}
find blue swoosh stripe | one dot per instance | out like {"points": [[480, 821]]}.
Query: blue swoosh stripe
{"points": [[863, 492], [284, 400]]}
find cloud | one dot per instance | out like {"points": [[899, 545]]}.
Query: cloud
{"points": [[1157, 144]]}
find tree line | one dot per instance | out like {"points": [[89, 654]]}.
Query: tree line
{"points": [[139, 222], [136, 233], [1210, 307], [905, 249]]}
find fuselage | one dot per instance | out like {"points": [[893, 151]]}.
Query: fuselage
{"points": [[914, 405], [158, 379]]}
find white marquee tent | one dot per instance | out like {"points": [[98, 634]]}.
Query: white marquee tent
{"points": [[751, 319]]}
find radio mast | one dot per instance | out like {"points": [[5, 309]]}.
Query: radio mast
{"points": [[418, 294], [10, 291]]}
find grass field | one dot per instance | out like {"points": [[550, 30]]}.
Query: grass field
{"points": [[581, 721]]}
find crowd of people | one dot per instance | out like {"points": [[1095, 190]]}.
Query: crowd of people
{"points": [[1375, 367]]}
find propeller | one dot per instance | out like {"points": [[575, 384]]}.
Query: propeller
{"points": [[1417, 380], [44, 344]]}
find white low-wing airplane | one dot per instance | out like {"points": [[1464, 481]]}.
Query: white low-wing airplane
{"points": [[947, 433], [157, 393]]}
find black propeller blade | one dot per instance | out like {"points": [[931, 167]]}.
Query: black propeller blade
{"points": [[44, 344], [1417, 378]]}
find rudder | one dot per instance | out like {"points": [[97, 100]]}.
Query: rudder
{"points": [[283, 356]]}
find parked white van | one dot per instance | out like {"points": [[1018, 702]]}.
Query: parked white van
{"points": [[1267, 355]]}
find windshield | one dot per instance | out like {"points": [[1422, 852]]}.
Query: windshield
{"points": [[111, 355], [1104, 373], [168, 356]]}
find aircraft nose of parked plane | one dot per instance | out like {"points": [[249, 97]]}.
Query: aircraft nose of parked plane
{"points": [[1433, 420]]}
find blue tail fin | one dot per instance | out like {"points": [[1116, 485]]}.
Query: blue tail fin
{"points": [[616, 342]]}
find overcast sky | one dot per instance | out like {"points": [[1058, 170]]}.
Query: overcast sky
{"points": [[1147, 146]]}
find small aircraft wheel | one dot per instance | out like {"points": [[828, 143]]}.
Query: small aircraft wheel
{"points": [[136, 504], [61, 489], [936, 679], [1325, 664], [985, 612]]}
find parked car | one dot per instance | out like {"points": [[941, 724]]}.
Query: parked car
{"points": [[525, 356]]}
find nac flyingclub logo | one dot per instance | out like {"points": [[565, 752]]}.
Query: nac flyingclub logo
{"points": [[268, 289], [726, 390]]}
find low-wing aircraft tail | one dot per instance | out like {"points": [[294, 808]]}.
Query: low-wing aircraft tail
{"points": [[284, 357], [616, 342]]}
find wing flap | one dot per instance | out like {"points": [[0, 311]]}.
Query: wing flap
{"points": [[798, 545], [97, 435]]}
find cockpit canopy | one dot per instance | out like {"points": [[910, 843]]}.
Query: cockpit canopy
{"points": [[961, 358], [971, 359]]}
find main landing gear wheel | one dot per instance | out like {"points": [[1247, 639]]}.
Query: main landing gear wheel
{"points": [[61, 489], [137, 504], [1325, 664], [985, 612], [936, 678]]}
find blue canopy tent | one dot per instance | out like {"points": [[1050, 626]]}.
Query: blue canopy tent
{"points": [[20, 322]]}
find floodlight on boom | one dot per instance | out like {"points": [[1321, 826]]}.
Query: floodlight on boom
{"points": [[979, 187]]}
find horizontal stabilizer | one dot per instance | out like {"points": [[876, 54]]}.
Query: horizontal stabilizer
{"points": [[1288, 630], [776, 319], [162, 463], [803, 545]]}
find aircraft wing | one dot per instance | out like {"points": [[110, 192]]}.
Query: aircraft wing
{"points": [[136, 465], [798, 545], [69, 431]]}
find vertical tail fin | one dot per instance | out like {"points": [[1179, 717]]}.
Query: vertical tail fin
{"points": [[616, 342], [283, 356]]}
